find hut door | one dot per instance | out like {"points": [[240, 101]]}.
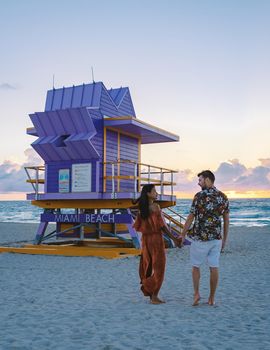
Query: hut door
{"points": [[129, 151], [120, 149]]}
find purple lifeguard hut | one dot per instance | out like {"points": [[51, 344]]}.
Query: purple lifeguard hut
{"points": [[90, 140]]}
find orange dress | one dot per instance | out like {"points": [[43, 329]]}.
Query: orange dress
{"points": [[153, 258]]}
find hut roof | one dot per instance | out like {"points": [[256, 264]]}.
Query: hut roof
{"points": [[148, 133], [113, 102]]}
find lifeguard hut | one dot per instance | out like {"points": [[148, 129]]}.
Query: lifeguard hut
{"points": [[90, 140]]}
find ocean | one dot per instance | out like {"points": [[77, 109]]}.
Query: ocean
{"points": [[243, 212]]}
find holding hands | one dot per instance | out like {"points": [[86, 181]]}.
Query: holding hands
{"points": [[178, 241]]}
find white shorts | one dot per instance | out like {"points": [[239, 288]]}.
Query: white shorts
{"points": [[209, 251]]}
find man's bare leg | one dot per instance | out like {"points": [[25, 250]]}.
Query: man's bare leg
{"points": [[196, 284], [213, 284]]}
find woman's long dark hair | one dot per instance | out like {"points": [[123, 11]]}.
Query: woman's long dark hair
{"points": [[144, 201]]}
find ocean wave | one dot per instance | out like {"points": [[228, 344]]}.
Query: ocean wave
{"points": [[243, 212]]}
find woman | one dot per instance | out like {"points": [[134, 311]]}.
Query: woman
{"points": [[151, 224]]}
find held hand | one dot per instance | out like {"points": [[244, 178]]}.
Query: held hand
{"points": [[178, 242], [182, 240]]}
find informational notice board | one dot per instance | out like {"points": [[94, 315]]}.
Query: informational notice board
{"points": [[63, 180], [81, 177]]}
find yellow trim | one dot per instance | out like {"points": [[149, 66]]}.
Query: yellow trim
{"points": [[104, 157], [38, 167], [123, 132], [152, 166], [105, 227], [33, 181], [120, 118], [158, 182], [132, 177], [84, 203], [119, 133], [73, 250], [93, 204], [30, 128], [144, 123], [118, 165], [122, 177], [139, 165], [176, 222]]}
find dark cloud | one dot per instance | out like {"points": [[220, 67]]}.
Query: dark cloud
{"points": [[228, 172], [233, 175], [7, 86], [257, 179]]}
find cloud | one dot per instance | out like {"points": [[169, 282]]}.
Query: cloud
{"points": [[228, 172], [13, 176], [265, 162], [257, 179], [7, 86], [233, 175], [186, 181], [32, 158], [230, 176]]}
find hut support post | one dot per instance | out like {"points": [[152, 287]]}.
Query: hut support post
{"points": [[98, 227], [133, 234], [171, 186], [114, 224], [81, 228], [135, 179], [161, 183], [113, 189], [37, 183], [40, 232]]}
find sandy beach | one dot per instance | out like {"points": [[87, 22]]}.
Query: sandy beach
{"points": [[53, 302]]}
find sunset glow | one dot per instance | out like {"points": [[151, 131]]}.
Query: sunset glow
{"points": [[231, 194], [201, 77]]}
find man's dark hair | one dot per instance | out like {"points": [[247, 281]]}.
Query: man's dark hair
{"points": [[207, 174]]}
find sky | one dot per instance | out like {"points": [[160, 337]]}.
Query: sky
{"points": [[197, 68]]}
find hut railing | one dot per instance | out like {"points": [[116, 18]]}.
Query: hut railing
{"points": [[138, 174], [141, 174], [34, 177]]}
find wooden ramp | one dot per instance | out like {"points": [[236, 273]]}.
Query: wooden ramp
{"points": [[106, 249]]}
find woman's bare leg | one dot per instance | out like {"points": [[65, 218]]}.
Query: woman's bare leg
{"points": [[155, 300]]}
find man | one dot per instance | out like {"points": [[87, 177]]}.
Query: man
{"points": [[207, 242]]}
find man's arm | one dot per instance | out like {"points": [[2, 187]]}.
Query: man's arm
{"points": [[186, 227], [225, 229], [165, 229], [177, 241]]}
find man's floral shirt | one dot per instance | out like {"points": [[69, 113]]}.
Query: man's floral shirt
{"points": [[208, 206]]}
